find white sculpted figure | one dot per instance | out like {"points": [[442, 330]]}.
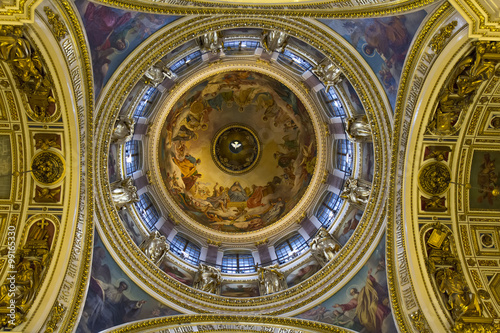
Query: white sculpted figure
{"points": [[123, 192], [211, 41], [324, 247], [272, 40], [328, 73], [155, 247], [355, 194], [124, 130], [358, 129], [271, 280], [156, 75], [207, 279]]}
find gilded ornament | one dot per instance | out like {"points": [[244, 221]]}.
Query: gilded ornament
{"points": [[354, 193], [271, 280], [208, 279], [29, 72], [358, 129], [123, 131], [434, 178], [483, 294], [419, 322], [56, 314], [47, 167], [438, 41], [156, 74], [273, 41], [46, 195], [45, 141], [58, 26], [460, 301], [155, 247], [461, 87], [123, 192], [475, 325], [211, 42], [328, 73], [324, 247], [433, 204], [495, 122]]}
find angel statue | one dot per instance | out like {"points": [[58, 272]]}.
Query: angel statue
{"points": [[324, 247], [155, 247], [207, 279], [355, 194], [123, 192]]}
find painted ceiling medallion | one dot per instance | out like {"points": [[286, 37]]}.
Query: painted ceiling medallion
{"points": [[236, 149], [47, 167], [434, 178]]}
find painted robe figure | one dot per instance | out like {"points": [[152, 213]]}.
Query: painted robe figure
{"points": [[371, 304]]}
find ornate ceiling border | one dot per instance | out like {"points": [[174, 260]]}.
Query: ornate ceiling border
{"points": [[226, 323], [326, 9], [308, 198], [482, 16], [150, 277]]}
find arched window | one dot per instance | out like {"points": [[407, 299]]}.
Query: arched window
{"points": [[185, 249], [235, 263], [344, 155], [238, 46], [145, 102], [185, 62], [290, 248], [329, 209], [294, 60], [334, 104], [132, 156], [147, 210]]}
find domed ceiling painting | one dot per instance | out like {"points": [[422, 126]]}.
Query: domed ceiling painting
{"points": [[237, 151]]}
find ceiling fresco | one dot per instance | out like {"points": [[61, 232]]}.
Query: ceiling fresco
{"points": [[194, 166], [206, 175]]}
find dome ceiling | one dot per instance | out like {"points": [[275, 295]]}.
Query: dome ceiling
{"points": [[237, 151]]}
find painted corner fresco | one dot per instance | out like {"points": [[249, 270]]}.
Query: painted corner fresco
{"points": [[485, 171], [113, 34], [112, 298], [363, 304], [383, 43], [223, 201]]}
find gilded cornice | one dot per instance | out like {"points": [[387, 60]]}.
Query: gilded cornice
{"points": [[484, 22], [227, 323], [18, 12], [310, 292], [326, 9]]}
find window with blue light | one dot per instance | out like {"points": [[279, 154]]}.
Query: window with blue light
{"points": [[329, 209], [186, 61], [290, 248], [185, 249], [147, 210], [240, 45], [145, 102], [344, 155], [132, 156], [234, 263], [334, 104], [295, 60]]}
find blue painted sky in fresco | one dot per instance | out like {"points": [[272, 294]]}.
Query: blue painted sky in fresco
{"points": [[383, 43], [113, 34], [98, 314]]}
